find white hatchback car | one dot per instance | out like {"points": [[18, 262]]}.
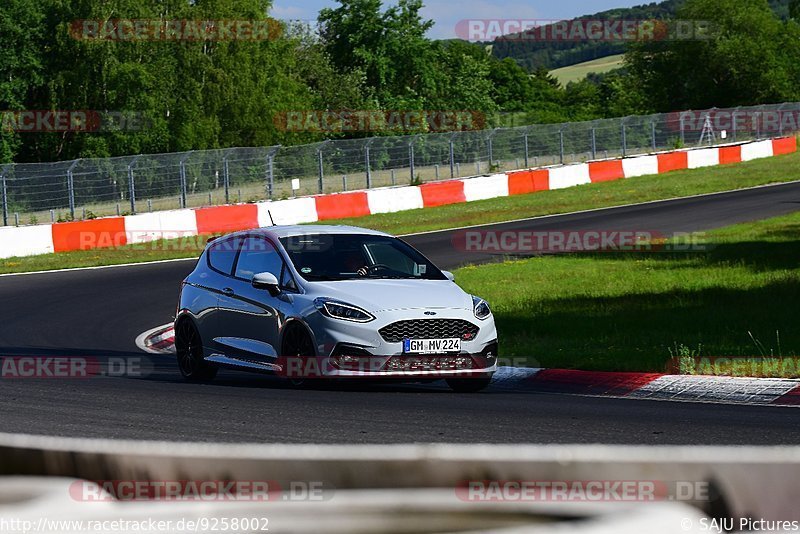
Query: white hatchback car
{"points": [[313, 302]]}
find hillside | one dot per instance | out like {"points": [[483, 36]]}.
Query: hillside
{"points": [[574, 73], [553, 55]]}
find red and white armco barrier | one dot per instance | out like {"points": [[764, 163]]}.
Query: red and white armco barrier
{"points": [[117, 231]]}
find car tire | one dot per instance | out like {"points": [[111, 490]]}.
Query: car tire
{"points": [[189, 353], [297, 343], [469, 385]]}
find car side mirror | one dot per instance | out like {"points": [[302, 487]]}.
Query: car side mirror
{"points": [[450, 276], [267, 281]]}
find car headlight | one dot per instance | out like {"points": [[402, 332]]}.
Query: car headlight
{"points": [[343, 311], [481, 308]]}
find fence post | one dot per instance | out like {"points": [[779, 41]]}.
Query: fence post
{"points": [[71, 188], [321, 172], [411, 156], [131, 184], [270, 175], [271, 170], [319, 164], [653, 134], [683, 134], [226, 176], [561, 146], [366, 162], [624, 139], [3, 174], [453, 155], [734, 126], [490, 147], [594, 142], [525, 137], [183, 178]]}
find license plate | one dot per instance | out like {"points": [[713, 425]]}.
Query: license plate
{"points": [[431, 346]]}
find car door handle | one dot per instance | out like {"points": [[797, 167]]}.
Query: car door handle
{"points": [[228, 292]]}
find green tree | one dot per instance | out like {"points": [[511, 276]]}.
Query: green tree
{"points": [[21, 62], [401, 68], [750, 57]]}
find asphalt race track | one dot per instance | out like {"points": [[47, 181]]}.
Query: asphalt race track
{"points": [[98, 313]]}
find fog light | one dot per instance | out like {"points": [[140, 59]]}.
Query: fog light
{"points": [[350, 363]]}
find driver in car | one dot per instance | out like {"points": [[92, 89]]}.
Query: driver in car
{"points": [[353, 262]]}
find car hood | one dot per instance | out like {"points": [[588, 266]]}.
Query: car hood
{"points": [[384, 295]]}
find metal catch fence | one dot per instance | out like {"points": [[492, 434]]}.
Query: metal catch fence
{"points": [[87, 188]]}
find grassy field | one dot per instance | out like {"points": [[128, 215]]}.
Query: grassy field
{"points": [[579, 71], [644, 188], [634, 311]]}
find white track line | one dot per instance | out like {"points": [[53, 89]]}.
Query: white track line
{"points": [[97, 267], [141, 338]]}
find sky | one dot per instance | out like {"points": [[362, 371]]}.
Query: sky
{"points": [[447, 13]]}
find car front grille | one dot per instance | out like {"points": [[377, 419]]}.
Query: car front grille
{"points": [[429, 329], [430, 362]]}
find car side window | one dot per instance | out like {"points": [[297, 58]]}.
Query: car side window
{"points": [[222, 254], [287, 281], [258, 256]]}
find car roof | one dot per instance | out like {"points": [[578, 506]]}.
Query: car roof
{"points": [[305, 229]]}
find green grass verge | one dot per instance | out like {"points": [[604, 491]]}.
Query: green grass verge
{"points": [[632, 190], [589, 196], [633, 311]]}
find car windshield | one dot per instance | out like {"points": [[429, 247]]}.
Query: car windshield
{"points": [[330, 257]]}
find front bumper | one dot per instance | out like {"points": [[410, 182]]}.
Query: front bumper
{"points": [[347, 361], [357, 350]]}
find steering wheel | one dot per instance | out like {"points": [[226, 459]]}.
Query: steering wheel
{"points": [[368, 269]]}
